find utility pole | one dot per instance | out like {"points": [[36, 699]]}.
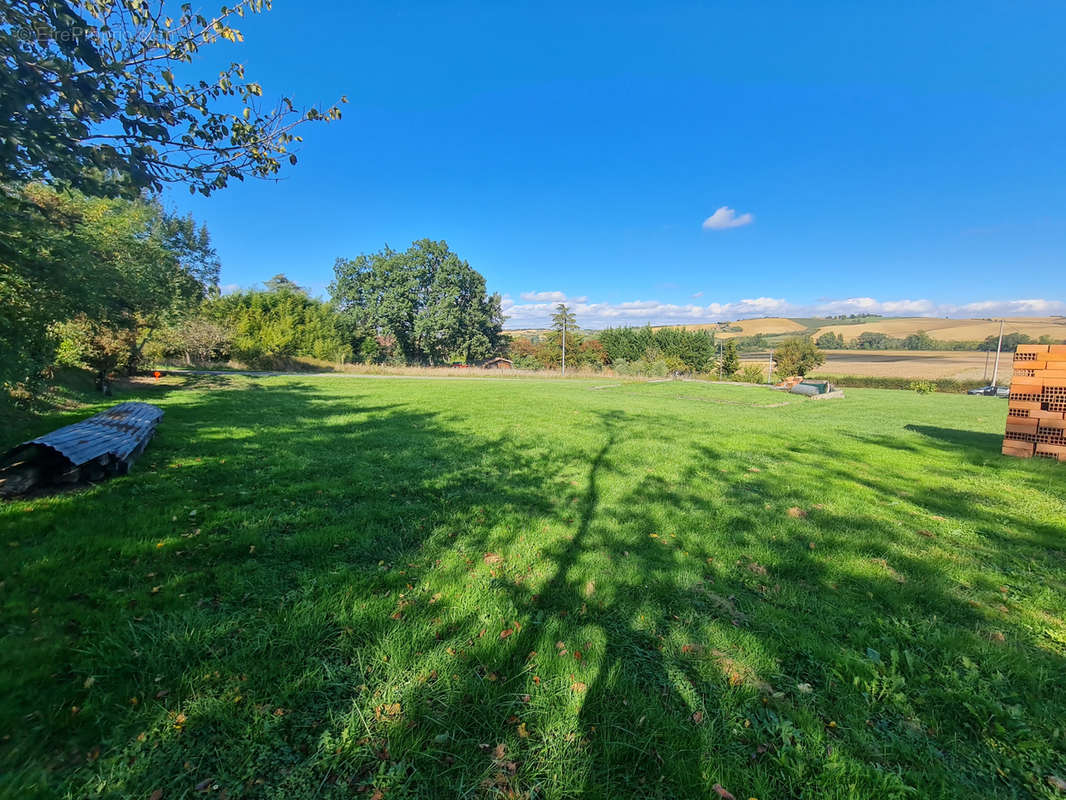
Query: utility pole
{"points": [[564, 345], [995, 369]]}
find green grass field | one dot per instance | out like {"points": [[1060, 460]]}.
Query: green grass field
{"points": [[320, 587]]}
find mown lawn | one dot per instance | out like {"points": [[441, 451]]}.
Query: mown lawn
{"points": [[312, 588]]}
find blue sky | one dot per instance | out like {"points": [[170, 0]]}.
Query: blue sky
{"points": [[671, 162]]}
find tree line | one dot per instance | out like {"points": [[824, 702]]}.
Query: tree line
{"points": [[920, 340], [657, 352]]}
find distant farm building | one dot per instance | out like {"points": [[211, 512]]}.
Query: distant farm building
{"points": [[499, 363]]}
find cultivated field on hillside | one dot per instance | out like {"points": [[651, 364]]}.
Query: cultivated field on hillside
{"points": [[769, 326], [324, 587], [906, 364], [917, 364], [952, 330]]}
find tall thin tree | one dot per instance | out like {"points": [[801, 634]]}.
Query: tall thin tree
{"points": [[562, 320]]}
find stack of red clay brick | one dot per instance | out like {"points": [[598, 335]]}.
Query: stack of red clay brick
{"points": [[1035, 419]]}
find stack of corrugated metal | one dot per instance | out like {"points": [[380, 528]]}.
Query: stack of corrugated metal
{"points": [[95, 448], [1036, 416]]}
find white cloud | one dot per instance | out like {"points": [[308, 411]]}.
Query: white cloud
{"points": [[867, 305], [697, 294], [724, 218], [554, 297], [639, 312], [1036, 308]]}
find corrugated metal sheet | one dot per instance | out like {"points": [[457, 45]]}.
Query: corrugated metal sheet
{"points": [[120, 432]]}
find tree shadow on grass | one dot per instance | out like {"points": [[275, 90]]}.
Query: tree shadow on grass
{"points": [[974, 444], [234, 600], [320, 593], [827, 614]]}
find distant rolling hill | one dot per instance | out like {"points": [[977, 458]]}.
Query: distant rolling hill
{"points": [[948, 330]]}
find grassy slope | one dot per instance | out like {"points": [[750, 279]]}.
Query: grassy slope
{"points": [[448, 588]]}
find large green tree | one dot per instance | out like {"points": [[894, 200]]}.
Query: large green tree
{"points": [[92, 95], [115, 269], [831, 341], [427, 300]]}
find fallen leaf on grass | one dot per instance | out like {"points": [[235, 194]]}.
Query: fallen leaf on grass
{"points": [[690, 648], [796, 512], [161, 694], [578, 687], [926, 534], [492, 558], [523, 733], [156, 795], [1056, 782], [505, 633], [388, 711], [722, 793], [737, 673], [697, 717]]}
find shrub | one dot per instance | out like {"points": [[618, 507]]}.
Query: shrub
{"points": [[949, 385], [922, 387], [751, 373], [797, 356]]}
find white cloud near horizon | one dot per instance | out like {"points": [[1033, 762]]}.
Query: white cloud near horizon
{"points": [[638, 312], [550, 297], [725, 218]]}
